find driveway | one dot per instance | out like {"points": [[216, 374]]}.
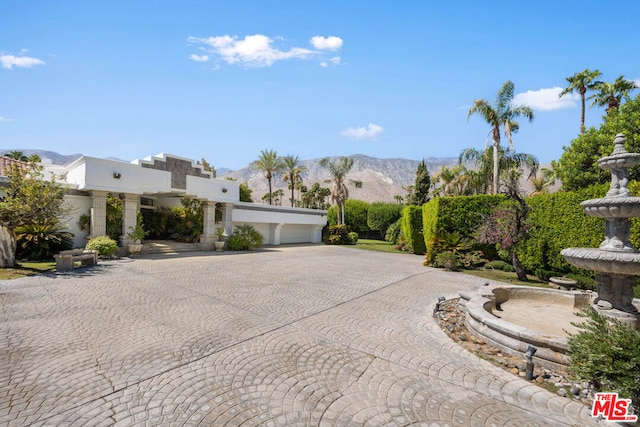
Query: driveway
{"points": [[287, 336]]}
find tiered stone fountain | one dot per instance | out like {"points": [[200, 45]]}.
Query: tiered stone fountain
{"points": [[616, 262]]}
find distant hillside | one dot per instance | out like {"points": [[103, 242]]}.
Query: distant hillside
{"points": [[46, 156], [382, 179]]}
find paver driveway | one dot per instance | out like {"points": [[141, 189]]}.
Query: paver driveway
{"points": [[309, 336]]}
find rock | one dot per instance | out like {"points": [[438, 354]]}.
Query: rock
{"points": [[492, 351], [605, 305], [462, 337], [515, 371], [575, 390], [522, 374], [562, 392], [546, 376]]}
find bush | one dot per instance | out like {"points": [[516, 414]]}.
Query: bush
{"points": [[353, 237], [411, 223], [338, 235], [499, 265], [380, 216], [105, 245], [584, 282], [245, 238], [41, 241], [605, 353], [472, 260], [544, 275], [114, 217], [355, 216], [447, 260], [394, 232]]}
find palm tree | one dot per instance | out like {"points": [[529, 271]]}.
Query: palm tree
{"points": [[502, 113], [611, 94], [339, 191], [582, 82], [293, 172], [481, 177], [270, 164], [17, 155]]}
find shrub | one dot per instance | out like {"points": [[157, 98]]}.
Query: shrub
{"points": [[338, 235], [245, 238], [394, 232], [42, 241], [472, 260], [583, 282], [355, 216], [353, 237], [105, 245], [499, 265], [380, 216], [411, 223], [544, 275], [447, 260], [605, 353], [114, 217]]}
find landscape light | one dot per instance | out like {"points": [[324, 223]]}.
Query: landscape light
{"points": [[531, 350]]}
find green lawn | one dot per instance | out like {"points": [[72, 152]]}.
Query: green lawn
{"points": [[375, 245], [26, 269]]}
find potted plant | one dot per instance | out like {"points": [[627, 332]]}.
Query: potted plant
{"points": [[220, 233], [136, 234]]}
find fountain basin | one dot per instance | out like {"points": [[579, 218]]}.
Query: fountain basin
{"points": [[619, 263], [612, 207], [513, 317], [619, 161]]}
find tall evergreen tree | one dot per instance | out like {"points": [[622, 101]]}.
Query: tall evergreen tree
{"points": [[421, 187]]}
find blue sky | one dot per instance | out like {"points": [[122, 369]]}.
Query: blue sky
{"points": [[226, 79]]}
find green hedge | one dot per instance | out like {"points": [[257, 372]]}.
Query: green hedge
{"points": [[380, 216], [460, 214], [355, 216], [557, 222], [411, 226]]}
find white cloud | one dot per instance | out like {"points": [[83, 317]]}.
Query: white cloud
{"points": [[335, 61], [546, 99], [252, 51], [637, 82], [198, 58], [5, 119], [10, 61], [371, 131], [324, 64], [332, 43]]}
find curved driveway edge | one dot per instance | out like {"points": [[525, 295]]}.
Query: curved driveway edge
{"points": [[305, 336]]}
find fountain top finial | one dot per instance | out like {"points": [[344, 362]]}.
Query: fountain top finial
{"points": [[618, 144]]}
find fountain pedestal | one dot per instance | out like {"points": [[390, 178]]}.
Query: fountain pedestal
{"points": [[616, 261]]}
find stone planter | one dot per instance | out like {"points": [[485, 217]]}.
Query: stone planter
{"points": [[219, 246], [134, 248]]}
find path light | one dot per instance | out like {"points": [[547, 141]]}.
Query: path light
{"points": [[440, 301], [531, 350]]}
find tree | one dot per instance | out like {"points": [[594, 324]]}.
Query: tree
{"points": [[481, 177], [611, 94], [578, 165], [207, 167], [421, 187], [19, 155], [245, 193], [582, 82], [315, 197], [270, 164], [293, 172], [28, 199], [339, 191], [501, 113]]}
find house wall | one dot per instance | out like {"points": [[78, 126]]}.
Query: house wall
{"points": [[81, 205]]}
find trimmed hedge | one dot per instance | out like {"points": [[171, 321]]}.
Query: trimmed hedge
{"points": [[460, 214], [355, 216], [411, 226], [380, 216], [558, 222]]}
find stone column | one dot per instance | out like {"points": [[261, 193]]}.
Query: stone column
{"points": [[227, 218], [129, 217], [209, 226], [98, 214], [316, 234], [275, 233]]}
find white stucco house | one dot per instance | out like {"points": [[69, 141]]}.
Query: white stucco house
{"points": [[161, 181]]}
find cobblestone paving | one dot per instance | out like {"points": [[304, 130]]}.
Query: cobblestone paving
{"points": [[290, 336]]}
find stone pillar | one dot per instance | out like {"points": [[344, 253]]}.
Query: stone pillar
{"points": [[98, 214], [227, 218], [129, 217], [209, 226], [275, 233], [316, 234]]}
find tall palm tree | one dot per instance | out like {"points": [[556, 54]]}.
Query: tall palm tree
{"points": [[501, 113], [481, 177], [582, 82], [339, 191], [293, 172], [270, 164], [611, 94]]}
